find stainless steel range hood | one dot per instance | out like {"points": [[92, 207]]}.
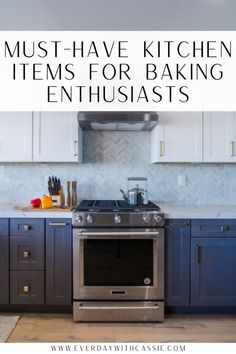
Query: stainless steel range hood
{"points": [[138, 121]]}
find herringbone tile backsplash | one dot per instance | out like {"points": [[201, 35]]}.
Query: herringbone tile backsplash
{"points": [[111, 157]]}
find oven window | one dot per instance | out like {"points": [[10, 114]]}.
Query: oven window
{"points": [[118, 262]]}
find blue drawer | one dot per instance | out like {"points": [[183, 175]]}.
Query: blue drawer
{"points": [[213, 228], [26, 253], [26, 227], [27, 287]]}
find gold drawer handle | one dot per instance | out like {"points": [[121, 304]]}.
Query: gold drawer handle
{"points": [[26, 254], [26, 288], [27, 227], [162, 148], [75, 147]]}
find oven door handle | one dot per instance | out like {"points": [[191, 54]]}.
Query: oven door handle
{"points": [[123, 234], [86, 307]]}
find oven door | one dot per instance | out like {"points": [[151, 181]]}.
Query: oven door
{"points": [[118, 264]]}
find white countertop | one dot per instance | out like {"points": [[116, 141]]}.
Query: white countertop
{"points": [[7, 210], [172, 211], [175, 211]]}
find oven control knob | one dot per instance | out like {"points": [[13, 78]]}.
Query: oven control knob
{"points": [[89, 219], [158, 219], [117, 219], [147, 219], [78, 219]]}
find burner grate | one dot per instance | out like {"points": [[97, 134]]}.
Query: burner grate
{"points": [[105, 204], [114, 205], [87, 203], [150, 206]]}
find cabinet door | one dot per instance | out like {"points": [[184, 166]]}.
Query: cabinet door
{"points": [[177, 262], [177, 137], [219, 137], [16, 136], [57, 137], [213, 276], [58, 262], [4, 262]]}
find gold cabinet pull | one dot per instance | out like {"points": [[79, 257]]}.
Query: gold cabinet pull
{"points": [[75, 147], [162, 148], [27, 227], [26, 254], [26, 288]]}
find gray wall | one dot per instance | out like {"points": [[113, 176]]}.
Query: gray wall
{"points": [[111, 157], [117, 15]]}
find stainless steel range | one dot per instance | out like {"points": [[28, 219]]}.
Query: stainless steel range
{"points": [[118, 259]]}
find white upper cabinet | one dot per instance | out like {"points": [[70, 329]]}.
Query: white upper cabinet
{"points": [[15, 136], [219, 137], [57, 137], [177, 137]]}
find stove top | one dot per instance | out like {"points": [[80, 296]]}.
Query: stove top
{"points": [[114, 206], [116, 213]]}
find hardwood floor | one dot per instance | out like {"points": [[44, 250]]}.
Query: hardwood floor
{"points": [[175, 328]]}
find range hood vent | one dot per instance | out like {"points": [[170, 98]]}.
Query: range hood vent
{"points": [[122, 121]]}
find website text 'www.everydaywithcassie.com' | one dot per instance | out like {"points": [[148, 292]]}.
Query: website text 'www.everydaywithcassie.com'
{"points": [[124, 348]]}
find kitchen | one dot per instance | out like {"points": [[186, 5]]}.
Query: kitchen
{"points": [[188, 160]]}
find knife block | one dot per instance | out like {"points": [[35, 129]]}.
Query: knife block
{"points": [[56, 200]]}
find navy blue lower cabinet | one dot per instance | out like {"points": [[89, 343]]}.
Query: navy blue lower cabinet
{"points": [[58, 262], [4, 261], [213, 275], [177, 262]]}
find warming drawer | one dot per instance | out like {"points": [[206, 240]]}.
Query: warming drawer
{"points": [[119, 311]]}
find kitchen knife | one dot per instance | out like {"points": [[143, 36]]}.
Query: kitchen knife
{"points": [[50, 188], [54, 185], [57, 185]]}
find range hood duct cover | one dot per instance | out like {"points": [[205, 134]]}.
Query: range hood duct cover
{"points": [[122, 121]]}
